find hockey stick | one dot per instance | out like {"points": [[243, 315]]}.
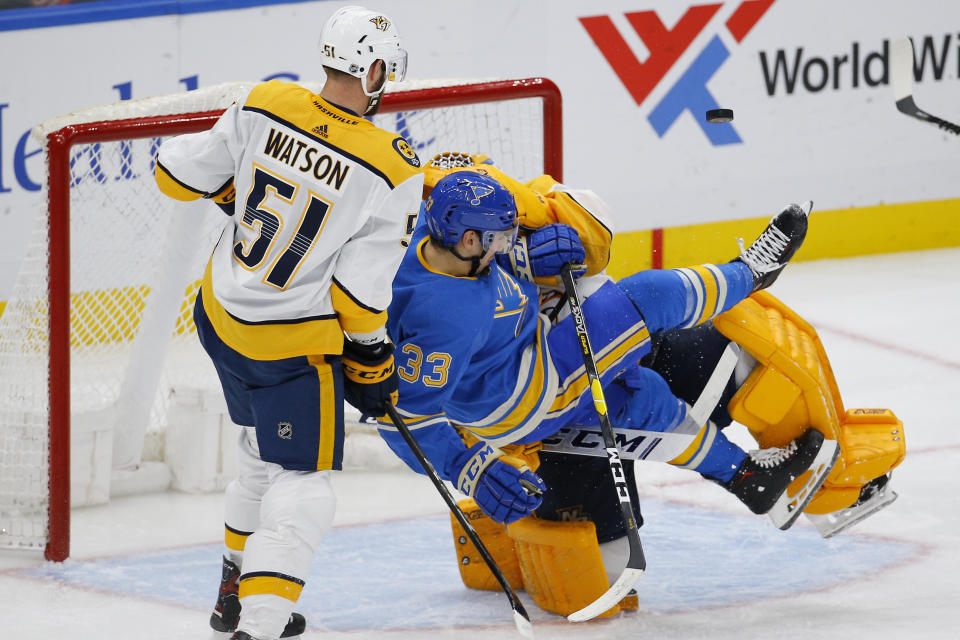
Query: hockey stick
{"points": [[901, 77], [658, 446], [520, 617], [636, 563]]}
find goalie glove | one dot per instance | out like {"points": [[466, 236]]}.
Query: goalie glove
{"points": [[503, 487], [369, 376]]}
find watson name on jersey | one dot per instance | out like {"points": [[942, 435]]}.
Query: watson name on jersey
{"points": [[323, 206]]}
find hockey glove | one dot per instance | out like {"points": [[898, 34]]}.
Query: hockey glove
{"points": [[551, 247], [225, 197], [369, 376], [503, 491]]}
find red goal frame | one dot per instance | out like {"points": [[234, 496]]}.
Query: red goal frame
{"points": [[59, 145]]}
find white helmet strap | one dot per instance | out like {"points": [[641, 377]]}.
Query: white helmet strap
{"points": [[374, 96]]}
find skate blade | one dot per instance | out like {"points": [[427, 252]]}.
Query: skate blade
{"points": [[830, 524], [788, 508]]}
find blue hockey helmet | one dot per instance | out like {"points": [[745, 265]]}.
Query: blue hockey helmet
{"points": [[466, 200]]}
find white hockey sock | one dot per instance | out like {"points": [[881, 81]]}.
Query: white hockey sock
{"points": [[264, 616]]}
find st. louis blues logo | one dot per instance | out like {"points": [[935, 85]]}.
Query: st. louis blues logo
{"points": [[479, 191], [380, 23]]}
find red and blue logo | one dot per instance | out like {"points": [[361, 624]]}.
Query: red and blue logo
{"points": [[667, 46]]}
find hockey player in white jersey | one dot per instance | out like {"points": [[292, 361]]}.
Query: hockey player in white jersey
{"points": [[292, 308]]}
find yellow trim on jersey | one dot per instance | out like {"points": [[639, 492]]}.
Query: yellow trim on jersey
{"points": [[173, 188], [271, 341], [328, 413], [710, 291], [345, 131], [352, 316], [531, 398], [270, 586], [413, 420], [426, 265], [696, 452], [225, 194], [606, 359], [233, 540]]}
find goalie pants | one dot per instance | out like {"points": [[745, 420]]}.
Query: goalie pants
{"points": [[685, 359], [580, 489]]}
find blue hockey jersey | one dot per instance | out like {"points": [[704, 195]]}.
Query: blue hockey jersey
{"points": [[475, 352], [474, 347]]}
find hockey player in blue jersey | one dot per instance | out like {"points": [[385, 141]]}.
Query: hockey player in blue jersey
{"points": [[473, 351], [579, 494]]}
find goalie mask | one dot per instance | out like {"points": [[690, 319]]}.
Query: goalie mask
{"points": [[354, 38], [467, 201]]}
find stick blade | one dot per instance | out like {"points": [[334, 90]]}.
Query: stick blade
{"points": [[617, 592], [523, 624], [901, 68]]}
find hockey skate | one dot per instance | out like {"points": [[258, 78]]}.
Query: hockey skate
{"points": [[762, 481], [226, 613], [874, 496], [772, 250]]}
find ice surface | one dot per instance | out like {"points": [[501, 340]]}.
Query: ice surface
{"points": [[148, 566]]}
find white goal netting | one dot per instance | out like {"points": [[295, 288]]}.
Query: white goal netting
{"points": [[135, 260]]}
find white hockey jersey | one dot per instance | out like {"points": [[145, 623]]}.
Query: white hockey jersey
{"points": [[325, 205]]}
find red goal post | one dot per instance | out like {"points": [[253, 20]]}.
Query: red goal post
{"points": [[537, 133]]}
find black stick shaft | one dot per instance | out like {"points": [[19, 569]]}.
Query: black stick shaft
{"points": [[637, 559], [429, 469]]}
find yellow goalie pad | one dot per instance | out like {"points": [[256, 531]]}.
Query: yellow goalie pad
{"points": [[793, 388], [473, 570], [557, 563], [561, 564]]}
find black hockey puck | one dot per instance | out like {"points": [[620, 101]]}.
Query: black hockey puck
{"points": [[719, 115]]}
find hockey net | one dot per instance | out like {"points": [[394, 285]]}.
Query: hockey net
{"points": [[98, 356]]}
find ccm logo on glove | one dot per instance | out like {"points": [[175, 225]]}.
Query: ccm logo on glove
{"points": [[475, 466]]}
